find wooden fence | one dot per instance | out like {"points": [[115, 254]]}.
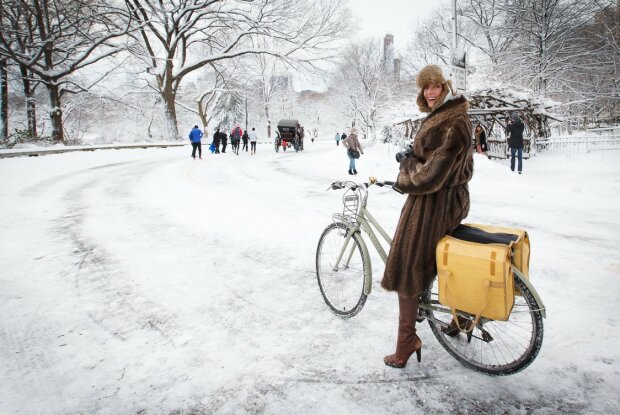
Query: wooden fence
{"points": [[498, 148]]}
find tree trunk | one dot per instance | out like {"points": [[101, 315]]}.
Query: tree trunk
{"points": [[4, 101], [170, 113], [31, 105], [55, 111], [268, 121], [202, 114], [168, 90]]}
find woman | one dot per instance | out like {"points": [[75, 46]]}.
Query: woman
{"points": [[352, 143], [245, 137], [435, 178], [253, 140], [480, 140]]}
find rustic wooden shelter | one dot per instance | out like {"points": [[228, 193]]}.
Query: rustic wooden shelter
{"points": [[491, 108]]}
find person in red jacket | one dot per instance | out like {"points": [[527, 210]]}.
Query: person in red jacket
{"points": [[235, 137]]}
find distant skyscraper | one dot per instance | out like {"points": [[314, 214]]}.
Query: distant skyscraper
{"points": [[391, 64], [396, 69], [388, 53]]}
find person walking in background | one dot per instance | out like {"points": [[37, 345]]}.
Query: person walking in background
{"points": [[480, 140], [337, 139], [194, 137], [245, 137], [514, 131], [435, 177], [216, 141], [253, 139], [224, 140], [352, 144], [233, 143], [235, 138]]}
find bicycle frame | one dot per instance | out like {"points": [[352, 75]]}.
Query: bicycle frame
{"points": [[364, 220]]}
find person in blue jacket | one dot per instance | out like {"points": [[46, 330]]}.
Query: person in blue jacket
{"points": [[194, 136]]}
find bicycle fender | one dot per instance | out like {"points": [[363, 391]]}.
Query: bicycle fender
{"points": [[528, 284]]}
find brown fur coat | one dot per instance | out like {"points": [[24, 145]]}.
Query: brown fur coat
{"points": [[436, 180]]}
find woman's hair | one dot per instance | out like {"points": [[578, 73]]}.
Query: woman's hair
{"points": [[353, 130]]}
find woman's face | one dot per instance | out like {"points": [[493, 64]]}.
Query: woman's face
{"points": [[431, 93]]}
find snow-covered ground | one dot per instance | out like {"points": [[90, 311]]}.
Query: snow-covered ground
{"points": [[142, 281]]}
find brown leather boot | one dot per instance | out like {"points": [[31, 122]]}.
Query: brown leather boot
{"points": [[408, 342]]}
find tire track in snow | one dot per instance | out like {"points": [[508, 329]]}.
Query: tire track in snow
{"points": [[117, 307]]}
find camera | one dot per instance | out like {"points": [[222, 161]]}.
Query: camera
{"points": [[407, 152]]}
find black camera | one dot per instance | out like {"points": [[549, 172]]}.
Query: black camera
{"points": [[407, 152]]}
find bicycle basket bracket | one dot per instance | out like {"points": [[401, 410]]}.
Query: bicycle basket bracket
{"points": [[350, 206]]}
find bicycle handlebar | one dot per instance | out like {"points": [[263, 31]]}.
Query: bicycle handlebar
{"points": [[372, 181]]}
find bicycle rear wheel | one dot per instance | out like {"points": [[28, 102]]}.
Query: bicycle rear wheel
{"points": [[493, 347], [342, 284]]}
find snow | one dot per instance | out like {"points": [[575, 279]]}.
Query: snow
{"points": [[142, 281]]}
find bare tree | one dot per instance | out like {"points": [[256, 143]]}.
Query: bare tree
{"points": [[208, 100], [54, 39], [179, 37], [213, 95], [363, 83], [4, 100], [432, 40], [591, 83], [486, 22], [12, 19], [545, 39]]}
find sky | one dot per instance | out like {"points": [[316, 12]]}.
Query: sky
{"points": [[142, 281], [398, 17], [374, 18]]}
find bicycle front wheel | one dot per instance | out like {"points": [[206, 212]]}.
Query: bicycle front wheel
{"points": [[341, 282], [494, 347]]}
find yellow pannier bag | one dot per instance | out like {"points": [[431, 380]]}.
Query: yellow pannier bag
{"points": [[520, 247], [476, 277]]}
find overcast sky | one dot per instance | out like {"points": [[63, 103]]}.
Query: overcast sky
{"points": [[376, 18], [398, 17]]}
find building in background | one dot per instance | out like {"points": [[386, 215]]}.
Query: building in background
{"points": [[391, 65], [388, 53]]}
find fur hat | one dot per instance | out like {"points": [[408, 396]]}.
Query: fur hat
{"points": [[353, 130], [432, 75]]}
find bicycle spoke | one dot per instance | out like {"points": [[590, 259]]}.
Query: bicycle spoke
{"points": [[514, 343], [341, 285]]}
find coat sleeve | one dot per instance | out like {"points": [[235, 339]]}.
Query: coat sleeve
{"points": [[428, 176]]}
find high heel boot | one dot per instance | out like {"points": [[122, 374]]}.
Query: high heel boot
{"points": [[408, 342]]}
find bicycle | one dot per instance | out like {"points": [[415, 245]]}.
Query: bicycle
{"points": [[344, 276]]}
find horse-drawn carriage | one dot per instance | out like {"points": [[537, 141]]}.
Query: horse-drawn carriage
{"points": [[289, 133]]}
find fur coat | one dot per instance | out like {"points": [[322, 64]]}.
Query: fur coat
{"points": [[435, 178]]}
